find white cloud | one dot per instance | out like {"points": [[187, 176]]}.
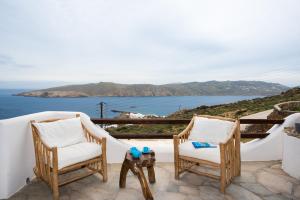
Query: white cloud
{"points": [[151, 41]]}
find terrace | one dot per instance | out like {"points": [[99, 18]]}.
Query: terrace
{"points": [[259, 180], [262, 176]]}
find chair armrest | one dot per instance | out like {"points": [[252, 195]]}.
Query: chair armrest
{"points": [[180, 138], [232, 133], [46, 157], [184, 133], [36, 136], [92, 137], [227, 147], [230, 152], [183, 136]]}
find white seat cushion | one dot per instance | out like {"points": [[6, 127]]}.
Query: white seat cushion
{"points": [[210, 130], [61, 133], [209, 154], [77, 153]]}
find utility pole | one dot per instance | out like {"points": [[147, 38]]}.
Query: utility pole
{"points": [[101, 104], [101, 108]]}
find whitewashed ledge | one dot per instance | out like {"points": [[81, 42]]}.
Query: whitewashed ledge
{"points": [[17, 155], [291, 156]]}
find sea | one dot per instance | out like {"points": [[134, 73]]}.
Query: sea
{"points": [[13, 106]]}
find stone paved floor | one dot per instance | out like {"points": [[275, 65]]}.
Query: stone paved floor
{"points": [[259, 180]]}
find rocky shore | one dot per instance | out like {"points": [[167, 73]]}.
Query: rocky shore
{"points": [[53, 94]]}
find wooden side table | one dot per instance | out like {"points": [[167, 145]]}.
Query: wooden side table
{"points": [[136, 166]]}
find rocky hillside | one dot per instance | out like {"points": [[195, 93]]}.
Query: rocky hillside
{"points": [[209, 88], [232, 110], [241, 108]]}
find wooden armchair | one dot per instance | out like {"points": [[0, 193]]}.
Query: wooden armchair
{"points": [[225, 158], [53, 158]]}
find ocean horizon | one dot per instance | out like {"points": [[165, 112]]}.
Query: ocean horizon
{"points": [[13, 106]]}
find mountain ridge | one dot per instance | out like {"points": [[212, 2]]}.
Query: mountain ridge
{"points": [[208, 88]]}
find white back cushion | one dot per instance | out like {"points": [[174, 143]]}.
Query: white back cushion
{"points": [[210, 130], [61, 133]]}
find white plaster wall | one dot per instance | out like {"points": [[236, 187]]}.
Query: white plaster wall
{"points": [[291, 156], [163, 148], [3, 158], [271, 147], [17, 153]]}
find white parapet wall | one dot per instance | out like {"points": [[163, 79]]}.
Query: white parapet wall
{"points": [[271, 147], [17, 153], [291, 156]]}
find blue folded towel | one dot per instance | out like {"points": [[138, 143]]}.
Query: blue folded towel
{"points": [[198, 145], [146, 150], [135, 152]]}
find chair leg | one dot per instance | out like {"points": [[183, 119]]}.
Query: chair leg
{"points": [[104, 171], [223, 180], [104, 160], [176, 167], [176, 171], [55, 188], [176, 156], [37, 174], [238, 168]]}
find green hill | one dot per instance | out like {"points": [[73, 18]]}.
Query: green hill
{"points": [[241, 108], [210, 88]]}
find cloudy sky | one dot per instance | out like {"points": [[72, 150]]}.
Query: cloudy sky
{"points": [[50, 42]]}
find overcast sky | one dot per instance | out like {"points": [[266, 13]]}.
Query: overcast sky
{"points": [[52, 42]]}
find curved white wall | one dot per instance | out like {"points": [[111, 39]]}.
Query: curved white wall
{"points": [[17, 153], [271, 147]]}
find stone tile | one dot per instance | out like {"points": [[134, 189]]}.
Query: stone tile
{"points": [[190, 197], [276, 166], [98, 193], [167, 166], [275, 183], [238, 192], [188, 190], [39, 197], [254, 166], [256, 188], [78, 196], [287, 177], [277, 197], [19, 196], [297, 191], [169, 196], [163, 179], [37, 188], [213, 183], [277, 171], [133, 183], [210, 193], [193, 179], [179, 182], [246, 177], [129, 194], [172, 187]]}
